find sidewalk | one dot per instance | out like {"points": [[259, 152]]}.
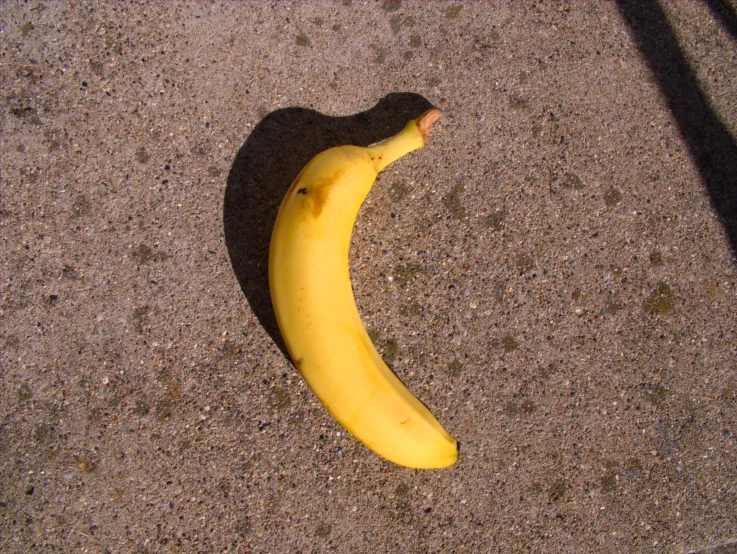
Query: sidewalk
{"points": [[554, 275]]}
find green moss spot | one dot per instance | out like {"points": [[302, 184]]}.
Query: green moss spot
{"points": [[323, 530], [495, 220], [387, 349], [81, 206], [164, 408], [452, 202], [415, 41], [374, 335], [572, 181], [94, 415], [509, 344], [612, 307], [611, 465], [517, 102], [398, 191], [576, 294], [142, 156], [612, 197], [558, 490], [52, 139], [634, 468], [407, 55], [24, 393], [656, 258], [30, 175], [609, 483], [546, 372], [395, 23], [230, 349], [524, 263], [144, 254], [86, 466], [616, 270], [527, 407], [711, 289], [302, 40], [414, 309], [661, 301], [96, 67], [657, 395], [26, 28], [402, 490], [379, 53], [43, 432], [141, 408], [455, 368], [404, 274], [510, 409], [452, 12], [279, 398], [390, 5], [139, 317], [243, 527], [390, 348], [536, 488], [537, 130]]}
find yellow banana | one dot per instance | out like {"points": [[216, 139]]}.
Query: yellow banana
{"points": [[317, 315]]}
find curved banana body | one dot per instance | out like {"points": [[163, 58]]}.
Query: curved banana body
{"points": [[317, 315]]}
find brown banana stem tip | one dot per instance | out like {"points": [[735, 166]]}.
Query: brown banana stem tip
{"points": [[426, 120]]}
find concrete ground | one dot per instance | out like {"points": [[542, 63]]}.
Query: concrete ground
{"points": [[554, 275]]}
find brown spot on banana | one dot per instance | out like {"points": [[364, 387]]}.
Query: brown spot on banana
{"points": [[322, 188]]}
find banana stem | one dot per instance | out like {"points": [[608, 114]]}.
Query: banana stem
{"points": [[412, 137]]}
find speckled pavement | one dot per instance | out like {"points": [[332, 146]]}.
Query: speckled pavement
{"points": [[554, 275]]}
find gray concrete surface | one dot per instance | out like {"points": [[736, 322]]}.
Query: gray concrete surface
{"points": [[554, 275]]}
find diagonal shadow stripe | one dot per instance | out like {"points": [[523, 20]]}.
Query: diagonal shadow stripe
{"points": [[726, 15], [710, 143]]}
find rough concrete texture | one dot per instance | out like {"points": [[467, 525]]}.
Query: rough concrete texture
{"points": [[554, 275]]}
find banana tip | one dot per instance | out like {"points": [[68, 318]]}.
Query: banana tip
{"points": [[426, 121]]}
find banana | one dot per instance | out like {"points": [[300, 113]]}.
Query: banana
{"points": [[313, 301]]}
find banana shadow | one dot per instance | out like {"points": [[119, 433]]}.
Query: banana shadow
{"points": [[267, 164]]}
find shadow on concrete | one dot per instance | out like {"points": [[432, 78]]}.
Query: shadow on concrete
{"points": [[710, 143], [267, 163], [726, 15]]}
